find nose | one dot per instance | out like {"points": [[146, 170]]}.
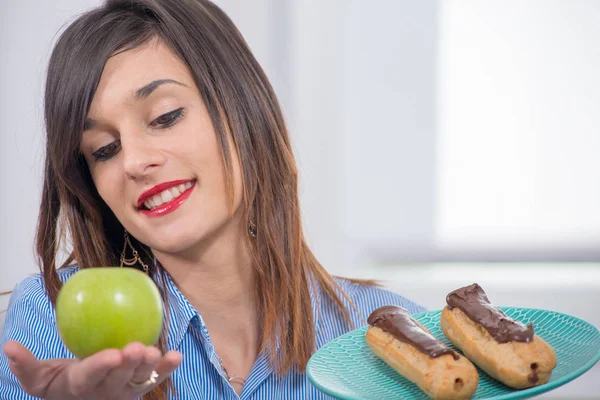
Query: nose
{"points": [[140, 155]]}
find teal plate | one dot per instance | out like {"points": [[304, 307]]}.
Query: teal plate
{"points": [[347, 369]]}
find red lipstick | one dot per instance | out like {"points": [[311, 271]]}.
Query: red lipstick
{"points": [[169, 206]]}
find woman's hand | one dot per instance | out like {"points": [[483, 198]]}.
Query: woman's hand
{"points": [[104, 375]]}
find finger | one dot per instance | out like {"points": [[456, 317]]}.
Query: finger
{"points": [[133, 356], [168, 364], [93, 369], [152, 356]]}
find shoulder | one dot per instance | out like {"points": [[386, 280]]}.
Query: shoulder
{"points": [[30, 316], [32, 289], [30, 302], [360, 300], [368, 297]]}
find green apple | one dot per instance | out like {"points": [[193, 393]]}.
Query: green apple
{"points": [[102, 308]]}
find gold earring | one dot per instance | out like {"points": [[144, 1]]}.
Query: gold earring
{"points": [[136, 257], [252, 229]]}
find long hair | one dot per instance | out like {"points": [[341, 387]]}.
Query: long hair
{"points": [[242, 105]]}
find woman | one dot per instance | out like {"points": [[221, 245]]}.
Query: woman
{"points": [[164, 138]]}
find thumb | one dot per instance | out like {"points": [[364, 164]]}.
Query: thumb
{"points": [[22, 362], [35, 376]]}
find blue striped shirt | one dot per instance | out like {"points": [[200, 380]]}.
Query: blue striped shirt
{"points": [[30, 320]]}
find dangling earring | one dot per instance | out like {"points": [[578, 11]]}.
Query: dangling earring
{"points": [[252, 229], [135, 259]]}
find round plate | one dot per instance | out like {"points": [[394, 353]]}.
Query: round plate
{"points": [[346, 367]]}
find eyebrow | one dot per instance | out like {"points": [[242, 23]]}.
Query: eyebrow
{"points": [[147, 90], [140, 94]]}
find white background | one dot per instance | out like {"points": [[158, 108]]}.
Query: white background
{"points": [[425, 132]]}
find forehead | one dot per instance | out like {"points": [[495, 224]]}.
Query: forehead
{"points": [[127, 71]]}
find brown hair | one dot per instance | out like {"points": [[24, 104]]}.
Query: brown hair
{"points": [[241, 104]]}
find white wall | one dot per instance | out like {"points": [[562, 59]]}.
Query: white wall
{"points": [[389, 127], [315, 123], [453, 130], [263, 23], [519, 127], [361, 88]]}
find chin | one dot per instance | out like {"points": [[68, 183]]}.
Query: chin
{"points": [[174, 244], [180, 240]]}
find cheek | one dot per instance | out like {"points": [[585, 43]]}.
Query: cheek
{"points": [[208, 163], [108, 188], [203, 154]]}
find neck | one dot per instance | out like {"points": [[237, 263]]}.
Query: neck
{"points": [[216, 276], [218, 279]]}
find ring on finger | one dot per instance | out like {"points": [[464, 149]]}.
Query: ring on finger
{"points": [[149, 382]]}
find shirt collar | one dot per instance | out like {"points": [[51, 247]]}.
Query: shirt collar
{"points": [[179, 314]]}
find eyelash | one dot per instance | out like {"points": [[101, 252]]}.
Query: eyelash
{"points": [[106, 152], [172, 116]]}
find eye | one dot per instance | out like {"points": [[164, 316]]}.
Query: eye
{"points": [[106, 152], [168, 119]]}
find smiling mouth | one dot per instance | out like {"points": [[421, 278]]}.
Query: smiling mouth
{"points": [[165, 197]]}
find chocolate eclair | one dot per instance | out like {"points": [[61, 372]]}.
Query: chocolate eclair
{"points": [[406, 346], [506, 349]]}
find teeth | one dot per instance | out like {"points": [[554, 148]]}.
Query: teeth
{"points": [[157, 200], [166, 195]]}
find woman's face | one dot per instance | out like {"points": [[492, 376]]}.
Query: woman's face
{"points": [[153, 153]]}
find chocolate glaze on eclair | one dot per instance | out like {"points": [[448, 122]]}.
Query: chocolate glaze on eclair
{"points": [[397, 322], [473, 301]]}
